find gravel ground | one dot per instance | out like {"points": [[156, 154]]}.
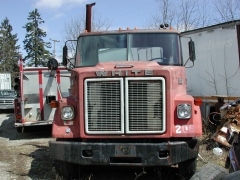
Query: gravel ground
{"points": [[23, 155], [26, 156]]}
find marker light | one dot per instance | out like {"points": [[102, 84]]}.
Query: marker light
{"points": [[198, 101], [18, 116], [54, 104]]}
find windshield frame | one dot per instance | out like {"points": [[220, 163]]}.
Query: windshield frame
{"points": [[79, 56]]}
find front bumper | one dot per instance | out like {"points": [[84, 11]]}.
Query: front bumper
{"points": [[37, 123], [124, 154]]}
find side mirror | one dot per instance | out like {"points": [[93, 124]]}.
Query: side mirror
{"points": [[191, 47], [65, 55]]}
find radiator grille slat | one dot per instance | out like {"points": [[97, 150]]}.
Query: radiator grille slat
{"points": [[6, 101]]}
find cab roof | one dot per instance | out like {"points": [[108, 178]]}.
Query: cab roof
{"points": [[120, 31]]}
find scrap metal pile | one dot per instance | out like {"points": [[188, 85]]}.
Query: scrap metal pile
{"points": [[227, 123]]}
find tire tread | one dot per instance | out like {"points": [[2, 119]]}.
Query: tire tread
{"points": [[210, 171]]}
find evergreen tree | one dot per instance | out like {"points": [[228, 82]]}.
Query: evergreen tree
{"points": [[8, 49], [37, 54]]}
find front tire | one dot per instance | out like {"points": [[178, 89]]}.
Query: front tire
{"points": [[233, 176], [19, 129], [187, 168], [210, 171], [67, 171]]}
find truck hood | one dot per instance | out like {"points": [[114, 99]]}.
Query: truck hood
{"points": [[174, 75], [128, 65]]}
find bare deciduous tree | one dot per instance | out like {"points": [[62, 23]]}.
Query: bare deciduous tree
{"points": [[213, 80], [182, 15], [99, 23], [188, 13], [76, 26], [227, 78], [205, 15], [227, 9], [165, 15], [71, 31]]}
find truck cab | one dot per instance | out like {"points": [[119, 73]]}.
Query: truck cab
{"points": [[128, 104]]}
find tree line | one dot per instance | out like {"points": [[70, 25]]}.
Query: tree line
{"points": [[186, 15], [34, 44]]}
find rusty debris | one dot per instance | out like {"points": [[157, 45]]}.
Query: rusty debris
{"points": [[228, 125]]}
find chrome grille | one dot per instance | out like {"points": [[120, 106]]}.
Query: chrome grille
{"points": [[104, 105], [6, 101], [145, 105], [136, 106]]}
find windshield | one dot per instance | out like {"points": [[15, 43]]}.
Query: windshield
{"points": [[7, 93], [160, 47]]}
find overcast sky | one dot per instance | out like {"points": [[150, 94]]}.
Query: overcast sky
{"points": [[122, 13]]}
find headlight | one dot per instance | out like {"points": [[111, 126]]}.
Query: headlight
{"points": [[67, 113], [184, 111]]}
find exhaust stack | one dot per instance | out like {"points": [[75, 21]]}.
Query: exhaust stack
{"points": [[89, 16]]}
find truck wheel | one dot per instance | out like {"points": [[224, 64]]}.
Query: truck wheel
{"points": [[210, 171], [233, 176], [187, 168], [19, 129], [67, 171]]}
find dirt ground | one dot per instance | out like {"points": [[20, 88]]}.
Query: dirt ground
{"points": [[26, 156], [23, 155]]}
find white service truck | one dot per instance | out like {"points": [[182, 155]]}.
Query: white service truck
{"points": [[7, 95], [36, 88]]}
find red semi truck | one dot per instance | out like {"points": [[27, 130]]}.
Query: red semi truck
{"points": [[128, 104]]}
